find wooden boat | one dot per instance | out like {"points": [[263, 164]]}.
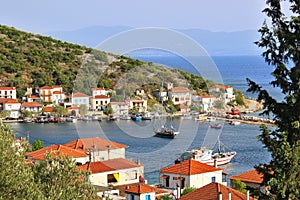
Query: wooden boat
{"points": [[217, 126], [166, 133]]}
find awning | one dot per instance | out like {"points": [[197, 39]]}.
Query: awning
{"points": [[117, 177], [164, 176]]}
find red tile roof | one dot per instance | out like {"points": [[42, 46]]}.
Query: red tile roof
{"points": [[3, 100], [98, 89], [31, 104], [189, 167], [108, 165], [7, 88], [48, 108], [79, 94], [50, 87], [212, 191], [179, 89], [101, 97], [55, 150], [144, 188], [98, 143], [12, 101], [34, 97], [251, 177]]}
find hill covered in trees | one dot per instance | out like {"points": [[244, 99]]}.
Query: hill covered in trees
{"points": [[31, 60]]}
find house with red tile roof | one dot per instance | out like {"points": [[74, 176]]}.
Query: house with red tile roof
{"points": [[52, 94], [8, 92], [252, 179], [56, 149], [118, 171], [144, 191], [225, 91], [190, 173], [33, 98], [215, 191], [79, 98], [99, 91], [32, 107], [207, 102], [99, 148], [13, 106], [100, 102], [120, 108], [139, 104], [180, 95]]}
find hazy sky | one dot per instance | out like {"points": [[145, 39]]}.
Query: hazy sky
{"points": [[41, 16]]}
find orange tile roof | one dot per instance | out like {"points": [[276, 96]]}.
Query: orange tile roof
{"points": [[79, 94], [108, 165], [7, 88], [189, 167], [211, 192], [98, 89], [31, 104], [55, 150], [141, 189], [98, 143], [250, 176], [12, 101], [179, 89], [3, 100], [48, 108], [101, 97], [50, 87], [34, 97]]}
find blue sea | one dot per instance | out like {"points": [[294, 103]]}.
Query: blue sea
{"points": [[156, 153]]}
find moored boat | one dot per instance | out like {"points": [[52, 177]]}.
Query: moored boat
{"points": [[217, 126], [166, 133]]}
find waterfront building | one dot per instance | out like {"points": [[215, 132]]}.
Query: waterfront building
{"points": [[225, 91], [13, 106], [190, 173], [32, 107], [52, 94], [100, 102], [118, 171], [180, 95], [216, 191], [139, 104], [119, 108], [8, 92], [99, 91], [79, 98], [99, 149], [207, 102]]}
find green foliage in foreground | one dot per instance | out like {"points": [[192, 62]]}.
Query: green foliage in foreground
{"points": [[55, 178], [36, 145], [281, 44]]}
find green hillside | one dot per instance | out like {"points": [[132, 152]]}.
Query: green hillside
{"points": [[31, 60]]}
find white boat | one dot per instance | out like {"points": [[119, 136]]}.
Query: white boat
{"points": [[234, 123], [201, 117], [71, 119], [207, 156]]}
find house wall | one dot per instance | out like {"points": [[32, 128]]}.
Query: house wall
{"points": [[126, 176], [99, 92], [58, 98], [180, 98], [101, 155], [98, 103], [33, 109], [141, 106], [9, 94], [80, 101], [120, 109]]}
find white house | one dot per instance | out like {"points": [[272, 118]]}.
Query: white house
{"points": [[52, 94], [32, 106], [118, 171], [99, 91], [168, 85], [207, 102], [190, 173], [8, 92], [119, 108], [14, 107], [226, 92], [100, 102], [99, 148], [56, 149], [144, 191], [78, 99], [180, 95], [160, 95], [139, 104]]}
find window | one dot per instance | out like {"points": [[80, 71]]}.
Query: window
{"points": [[147, 197], [131, 197], [213, 179]]}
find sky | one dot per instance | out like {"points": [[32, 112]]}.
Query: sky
{"points": [[63, 15]]}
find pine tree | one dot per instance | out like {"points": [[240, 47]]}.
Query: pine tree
{"points": [[281, 40]]}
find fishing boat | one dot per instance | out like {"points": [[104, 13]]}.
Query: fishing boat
{"points": [[165, 132], [207, 156], [233, 123], [136, 117]]}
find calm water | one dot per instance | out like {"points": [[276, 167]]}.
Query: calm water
{"points": [[155, 153]]}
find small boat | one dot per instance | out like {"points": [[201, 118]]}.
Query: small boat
{"points": [[201, 117], [206, 155], [211, 119], [96, 117], [125, 117], [233, 123], [136, 117], [87, 118], [186, 116], [113, 117], [234, 111], [166, 132], [71, 119], [27, 120], [217, 126]]}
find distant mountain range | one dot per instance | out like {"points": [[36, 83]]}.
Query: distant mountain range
{"points": [[215, 43]]}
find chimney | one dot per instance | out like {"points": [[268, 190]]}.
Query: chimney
{"points": [[229, 195], [248, 195], [220, 196], [138, 161], [215, 163]]}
